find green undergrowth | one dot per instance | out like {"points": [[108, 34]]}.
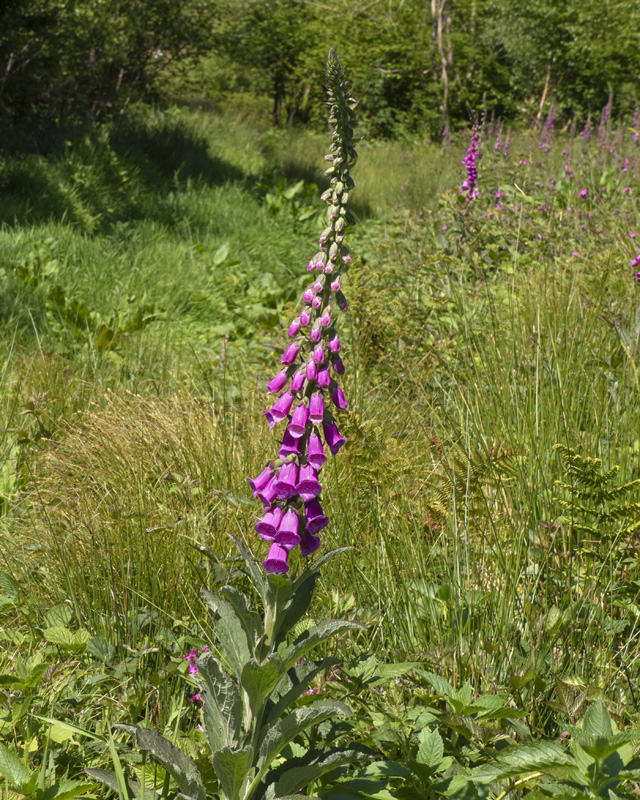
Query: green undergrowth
{"points": [[491, 353]]}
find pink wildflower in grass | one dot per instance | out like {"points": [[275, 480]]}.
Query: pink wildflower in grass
{"points": [[469, 184], [289, 487]]}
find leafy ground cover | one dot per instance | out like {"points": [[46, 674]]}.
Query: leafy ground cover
{"points": [[489, 487]]}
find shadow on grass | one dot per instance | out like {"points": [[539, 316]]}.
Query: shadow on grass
{"points": [[92, 178]]}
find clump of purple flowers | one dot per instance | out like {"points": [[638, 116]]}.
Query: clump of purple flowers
{"points": [[192, 659], [289, 486], [470, 159]]}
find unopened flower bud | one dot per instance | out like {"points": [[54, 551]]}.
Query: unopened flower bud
{"points": [[318, 286], [340, 224], [311, 370], [290, 354], [319, 354], [333, 250], [316, 408], [307, 296], [328, 269], [334, 343], [326, 195], [316, 302], [324, 378], [342, 301], [316, 331], [335, 283], [337, 396], [294, 328], [297, 382], [338, 366], [325, 319], [324, 236], [305, 316]]}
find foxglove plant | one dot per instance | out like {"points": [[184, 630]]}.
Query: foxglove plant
{"points": [[253, 687], [469, 185], [289, 486]]}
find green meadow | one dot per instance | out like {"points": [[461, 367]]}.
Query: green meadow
{"points": [[488, 489]]}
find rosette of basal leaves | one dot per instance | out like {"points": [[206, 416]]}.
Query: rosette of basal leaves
{"points": [[254, 691]]}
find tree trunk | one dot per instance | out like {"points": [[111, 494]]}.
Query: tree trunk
{"points": [[543, 99], [442, 4]]}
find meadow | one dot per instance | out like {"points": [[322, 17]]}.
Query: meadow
{"points": [[488, 489]]}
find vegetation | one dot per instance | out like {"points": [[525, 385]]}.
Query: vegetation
{"points": [[476, 634]]}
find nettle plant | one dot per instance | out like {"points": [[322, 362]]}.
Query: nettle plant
{"points": [[255, 690]]}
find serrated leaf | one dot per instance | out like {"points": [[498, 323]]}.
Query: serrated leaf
{"points": [[275, 737], [222, 706], [599, 748], [597, 721], [58, 616], [523, 758], [431, 749], [437, 682], [231, 768], [229, 631], [66, 790], [314, 635], [10, 585], [181, 768], [13, 770], [74, 641], [110, 779]]}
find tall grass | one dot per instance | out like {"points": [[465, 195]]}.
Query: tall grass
{"points": [[476, 345]]}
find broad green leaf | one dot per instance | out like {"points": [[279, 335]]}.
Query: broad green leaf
{"points": [[74, 641], [259, 680], [600, 747], [230, 632], [13, 770], [231, 768], [58, 616], [66, 790], [250, 621], [110, 779], [431, 749], [437, 682], [297, 773], [363, 787], [313, 636], [274, 737], [181, 768], [597, 721], [520, 759], [10, 585], [101, 649], [222, 706]]}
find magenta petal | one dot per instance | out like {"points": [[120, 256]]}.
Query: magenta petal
{"points": [[337, 395], [268, 494], [324, 378], [297, 382], [287, 480], [290, 354], [269, 524], [316, 519], [290, 444], [276, 561], [338, 366], [277, 383], [316, 408], [312, 371], [332, 437], [298, 423], [308, 543], [315, 451], [308, 484], [280, 409], [261, 481], [287, 534]]}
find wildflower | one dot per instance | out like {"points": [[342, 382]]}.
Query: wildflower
{"points": [[583, 192], [289, 487], [469, 185]]}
